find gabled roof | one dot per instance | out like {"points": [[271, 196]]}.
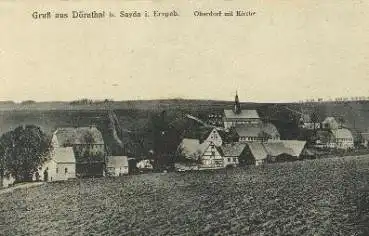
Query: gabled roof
{"points": [[248, 131], [81, 135], [342, 133], [203, 133], [258, 151], [233, 150], [63, 155], [116, 161], [295, 145], [244, 114], [276, 149]]}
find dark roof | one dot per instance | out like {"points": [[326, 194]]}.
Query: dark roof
{"points": [[233, 150], [244, 114]]}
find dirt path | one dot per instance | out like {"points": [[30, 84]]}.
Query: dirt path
{"points": [[21, 186]]}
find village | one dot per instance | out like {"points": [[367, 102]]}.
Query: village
{"points": [[238, 137]]}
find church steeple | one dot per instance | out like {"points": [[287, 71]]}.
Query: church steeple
{"points": [[237, 106]]}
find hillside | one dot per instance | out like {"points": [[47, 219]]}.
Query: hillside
{"points": [[318, 197], [135, 116]]}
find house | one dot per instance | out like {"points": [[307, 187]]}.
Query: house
{"points": [[88, 146], [232, 153], [248, 133], [285, 150], [330, 123], [278, 152], [297, 147], [237, 116], [117, 165], [206, 134], [256, 154], [214, 137], [207, 155], [343, 138], [60, 166]]}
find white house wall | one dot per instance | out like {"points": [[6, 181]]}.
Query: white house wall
{"points": [[212, 159]]}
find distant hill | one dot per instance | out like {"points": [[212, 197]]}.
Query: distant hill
{"points": [[135, 115]]}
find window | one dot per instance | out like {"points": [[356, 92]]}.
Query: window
{"points": [[229, 159], [66, 170], [57, 170]]}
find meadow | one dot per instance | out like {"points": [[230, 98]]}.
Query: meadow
{"points": [[313, 197]]}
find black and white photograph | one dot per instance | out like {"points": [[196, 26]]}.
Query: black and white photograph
{"points": [[184, 118]]}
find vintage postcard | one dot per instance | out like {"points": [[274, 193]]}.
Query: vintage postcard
{"points": [[184, 117]]}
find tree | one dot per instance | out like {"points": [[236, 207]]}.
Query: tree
{"points": [[23, 151]]}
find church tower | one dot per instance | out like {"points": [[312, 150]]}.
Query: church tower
{"points": [[237, 106]]}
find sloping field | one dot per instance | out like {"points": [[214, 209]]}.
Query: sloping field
{"points": [[320, 197]]}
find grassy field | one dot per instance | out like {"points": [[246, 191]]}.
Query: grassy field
{"points": [[318, 197]]}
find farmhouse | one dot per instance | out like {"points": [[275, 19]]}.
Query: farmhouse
{"points": [[232, 153], [285, 150], [207, 155], [256, 154], [88, 146], [237, 116], [296, 146], [343, 138], [117, 165], [61, 166], [214, 137]]}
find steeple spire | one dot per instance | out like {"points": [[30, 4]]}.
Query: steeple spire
{"points": [[237, 106]]}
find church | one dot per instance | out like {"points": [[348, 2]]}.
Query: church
{"points": [[237, 116]]}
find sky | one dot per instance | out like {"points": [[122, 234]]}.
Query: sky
{"points": [[289, 51]]}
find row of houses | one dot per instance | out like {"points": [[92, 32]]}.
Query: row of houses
{"points": [[244, 137], [207, 155], [77, 153]]}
